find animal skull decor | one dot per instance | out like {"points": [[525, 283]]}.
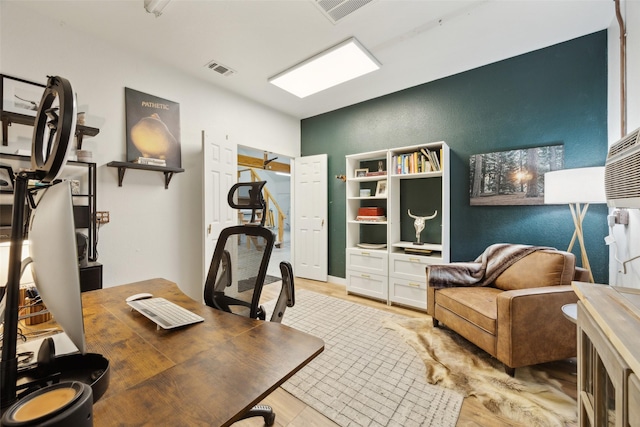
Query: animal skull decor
{"points": [[419, 224]]}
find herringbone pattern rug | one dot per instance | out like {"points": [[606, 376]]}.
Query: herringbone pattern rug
{"points": [[367, 375]]}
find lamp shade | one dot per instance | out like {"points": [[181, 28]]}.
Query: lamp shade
{"points": [[581, 185]]}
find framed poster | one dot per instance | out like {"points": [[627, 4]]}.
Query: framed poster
{"points": [[512, 178], [20, 96], [153, 129]]}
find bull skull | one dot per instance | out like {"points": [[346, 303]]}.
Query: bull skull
{"points": [[419, 224]]}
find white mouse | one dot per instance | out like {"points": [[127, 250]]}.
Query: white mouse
{"points": [[136, 297]]}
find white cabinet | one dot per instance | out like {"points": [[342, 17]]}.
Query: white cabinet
{"points": [[383, 258]]}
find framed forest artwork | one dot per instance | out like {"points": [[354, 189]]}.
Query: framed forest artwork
{"points": [[153, 129], [512, 178]]}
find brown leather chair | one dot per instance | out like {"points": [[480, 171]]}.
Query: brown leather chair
{"points": [[518, 318]]}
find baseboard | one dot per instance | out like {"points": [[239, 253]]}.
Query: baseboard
{"points": [[337, 280]]}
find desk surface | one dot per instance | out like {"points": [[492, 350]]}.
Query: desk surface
{"points": [[204, 374], [616, 310]]}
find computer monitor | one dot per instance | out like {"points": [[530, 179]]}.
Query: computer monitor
{"points": [[53, 249]]}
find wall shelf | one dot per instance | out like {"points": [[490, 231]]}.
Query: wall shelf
{"points": [[9, 118], [168, 171], [84, 202]]}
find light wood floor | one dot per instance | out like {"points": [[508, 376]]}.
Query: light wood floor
{"points": [[295, 413]]}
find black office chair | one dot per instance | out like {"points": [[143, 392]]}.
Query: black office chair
{"points": [[239, 267]]}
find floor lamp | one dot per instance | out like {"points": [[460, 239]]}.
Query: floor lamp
{"points": [[577, 188]]}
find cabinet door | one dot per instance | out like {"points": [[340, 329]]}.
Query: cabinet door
{"points": [[408, 292], [367, 261], [371, 285], [603, 384], [410, 267], [633, 402]]}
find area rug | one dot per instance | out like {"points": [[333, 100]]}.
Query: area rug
{"points": [[530, 397], [367, 375]]}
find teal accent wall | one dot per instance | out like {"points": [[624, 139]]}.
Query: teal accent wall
{"points": [[556, 95]]}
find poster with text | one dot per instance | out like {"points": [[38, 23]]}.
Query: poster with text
{"points": [[153, 129]]}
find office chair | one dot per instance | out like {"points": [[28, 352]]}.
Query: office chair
{"points": [[237, 271]]}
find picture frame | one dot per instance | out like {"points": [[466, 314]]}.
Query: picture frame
{"points": [[153, 129], [19, 95], [360, 173], [6, 179], [512, 177], [381, 189]]}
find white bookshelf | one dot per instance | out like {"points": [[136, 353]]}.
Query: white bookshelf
{"points": [[391, 273]]}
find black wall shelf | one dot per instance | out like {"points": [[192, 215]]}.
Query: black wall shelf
{"points": [[9, 118], [84, 206], [168, 171]]}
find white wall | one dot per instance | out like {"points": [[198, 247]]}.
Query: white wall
{"points": [[153, 232], [627, 237]]}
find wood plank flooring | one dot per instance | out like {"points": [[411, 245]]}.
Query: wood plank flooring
{"points": [[292, 412]]}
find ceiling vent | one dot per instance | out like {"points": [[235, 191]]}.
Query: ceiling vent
{"points": [[219, 68], [336, 10]]}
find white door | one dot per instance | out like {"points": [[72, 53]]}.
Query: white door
{"points": [[220, 173], [310, 245]]}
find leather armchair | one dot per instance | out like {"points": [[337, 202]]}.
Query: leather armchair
{"points": [[518, 318]]}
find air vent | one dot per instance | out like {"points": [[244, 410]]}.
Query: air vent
{"points": [[335, 10], [622, 172], [219, 68]]}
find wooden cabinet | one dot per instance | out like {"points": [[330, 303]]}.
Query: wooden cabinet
{"points": [[383, 258], [608, 355]]}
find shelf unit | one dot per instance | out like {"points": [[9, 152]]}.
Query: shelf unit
{"points": [[168, 171], [367, 268], [84, 201], [392, 274], [8, 118]]}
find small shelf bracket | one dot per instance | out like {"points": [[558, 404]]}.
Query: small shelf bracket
{"points": [[167, 179], [121, 171]]}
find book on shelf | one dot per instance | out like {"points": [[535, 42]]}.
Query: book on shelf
{"points": [[371, 211], [150, 161], [375, 173], [419, 161], [418, 251], [371, 218]]}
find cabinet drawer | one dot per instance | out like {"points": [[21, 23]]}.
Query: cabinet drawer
{"points": [[411, 267], [371, 285], [374, 262], [408, 292], [633, 402]]}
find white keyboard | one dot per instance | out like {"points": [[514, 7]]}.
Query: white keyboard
{"points": [[165, 314]]}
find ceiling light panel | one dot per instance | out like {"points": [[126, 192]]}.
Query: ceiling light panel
{"points": [[332, 67]]}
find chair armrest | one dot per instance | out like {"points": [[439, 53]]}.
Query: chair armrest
{"points": [[581, 275], [531, 328]]}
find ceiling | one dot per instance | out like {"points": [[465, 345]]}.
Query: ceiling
{"points": [[416, 41]]}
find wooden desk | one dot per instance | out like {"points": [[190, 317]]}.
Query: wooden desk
{"points": [[204, 374]]}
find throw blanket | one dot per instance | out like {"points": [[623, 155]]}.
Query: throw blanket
{"points": [[484, 270]]}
